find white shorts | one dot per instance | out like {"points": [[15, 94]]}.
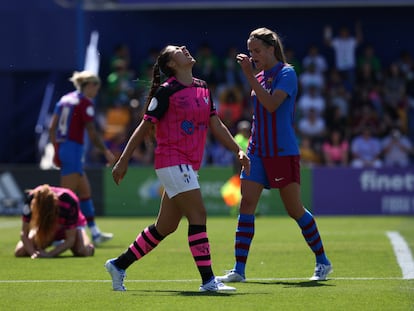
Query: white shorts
{"points": [[178, 179]]}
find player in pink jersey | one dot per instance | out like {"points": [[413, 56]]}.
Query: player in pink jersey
{"points": [[73, 114], [52, 216], [181, 110]]}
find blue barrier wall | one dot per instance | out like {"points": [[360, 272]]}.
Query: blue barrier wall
{"points": [[43, 42]]}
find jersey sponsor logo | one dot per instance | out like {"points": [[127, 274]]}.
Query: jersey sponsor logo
{"points": [[153, 104], [187, 127]]}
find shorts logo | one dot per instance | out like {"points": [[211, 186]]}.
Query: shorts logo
{"points": [[187, 127], [187, 178], [279, 179]]}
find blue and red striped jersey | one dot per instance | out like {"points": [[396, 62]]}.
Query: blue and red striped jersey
{"points": [[273, 133]]}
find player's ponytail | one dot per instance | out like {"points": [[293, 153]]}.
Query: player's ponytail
{"points": [[160, 67]]}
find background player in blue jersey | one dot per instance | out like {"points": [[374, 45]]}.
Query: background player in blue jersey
{"points": [[73, 114], [273, 149]]}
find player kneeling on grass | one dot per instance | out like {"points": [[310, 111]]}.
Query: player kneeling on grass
{"points": [[51, 224]]}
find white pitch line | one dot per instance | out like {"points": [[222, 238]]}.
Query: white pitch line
{"points": [[9, 224], [403, 253], [196, 280]]}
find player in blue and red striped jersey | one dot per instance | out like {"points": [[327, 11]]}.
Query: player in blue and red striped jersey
{"points": [[50, 216], [272, 149], [73, 114]]}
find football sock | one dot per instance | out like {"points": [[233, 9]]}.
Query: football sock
{"points": [[146, 241], [311, 234], [87, 208], [200, 249], [244, 237]]}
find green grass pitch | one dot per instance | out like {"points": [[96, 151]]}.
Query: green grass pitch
{"points": [[366, 273]]}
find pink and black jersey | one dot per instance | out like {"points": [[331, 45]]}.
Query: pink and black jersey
{"points": [[70, 215], [74, 111], [273, 133], [182, 115]]}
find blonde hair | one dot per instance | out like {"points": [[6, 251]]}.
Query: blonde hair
{"points": [[82, 78], [45, 213], [270, 38]]}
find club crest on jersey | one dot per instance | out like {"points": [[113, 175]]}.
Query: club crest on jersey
{"points": [[206, 99], [268, 84]]}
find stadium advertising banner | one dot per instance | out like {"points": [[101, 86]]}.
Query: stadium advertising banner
{"points": [[140, 192], [14, 180], [347, 191]]}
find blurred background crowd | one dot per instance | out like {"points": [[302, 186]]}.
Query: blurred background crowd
{"points": [[358, 112], [354, 62]]}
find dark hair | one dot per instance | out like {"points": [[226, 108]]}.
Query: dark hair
{"points": [[269, 38], [159, 67]]}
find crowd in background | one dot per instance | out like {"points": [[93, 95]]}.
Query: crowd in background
{"points": [[357, 111]]}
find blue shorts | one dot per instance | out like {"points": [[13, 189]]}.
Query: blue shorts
{"points": [[71, 157], [274, 172]]}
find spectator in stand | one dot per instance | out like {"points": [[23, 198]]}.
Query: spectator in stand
{"points": [[389, 120], [311, 78], [207, 67], [368, 57], [334, 81], [345, 46], [368, 88], [364, 115], [338, 102], [291, 59], [311, 100], [335, 149], [394, 86], [313, 125], [317, 59], [230, 108], [335, 120], [233, 75], [308, 156], [121, 52], [406, 64], [366, 78], [366, 150], [120, 85], [397, 149], [144, 67]]}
